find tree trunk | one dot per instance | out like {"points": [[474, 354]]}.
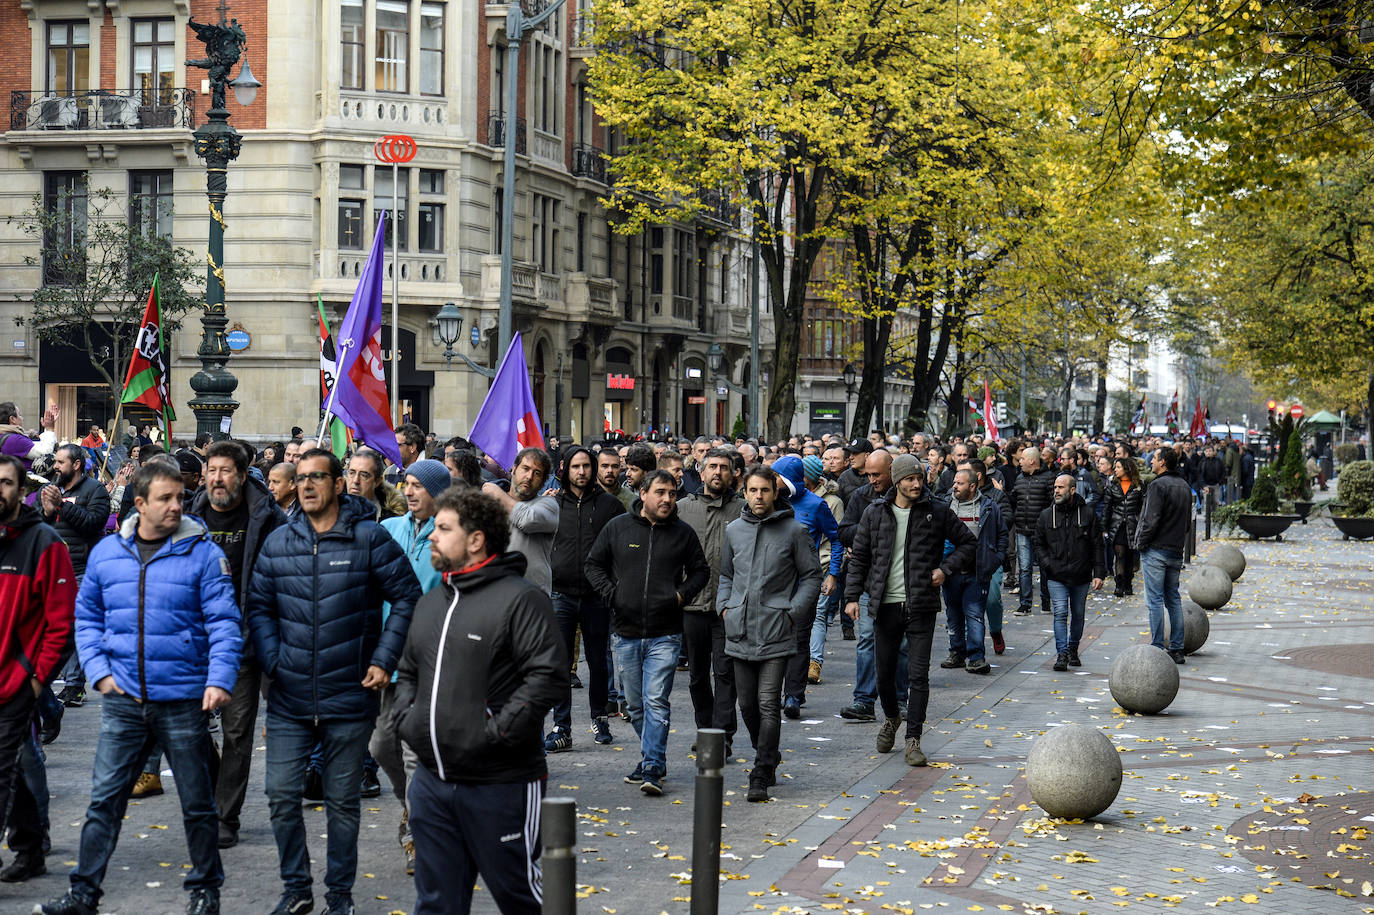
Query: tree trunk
{"points": [[877, 333], [1100, 404], [956, 409]]}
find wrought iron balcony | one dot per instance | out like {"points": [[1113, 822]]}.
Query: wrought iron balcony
{"points": [[496, 132], [589, 162], [103, 109]]}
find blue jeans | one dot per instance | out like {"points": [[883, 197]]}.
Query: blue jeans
{"points": [[965, 599], [1160, 570], [1027, 561], [993, 609], [827, 608], [344, 744], [1069, 603], [646, 668], [865, 665], [128, 731]]}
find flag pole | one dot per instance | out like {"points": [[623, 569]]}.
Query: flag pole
{"points": [[105, 461], [333, 391]]}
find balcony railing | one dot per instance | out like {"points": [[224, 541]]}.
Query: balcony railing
{"points": [[496, 132], [103, 109], [589, 162]]}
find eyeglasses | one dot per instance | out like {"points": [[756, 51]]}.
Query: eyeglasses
{"points": [[318, 476]]}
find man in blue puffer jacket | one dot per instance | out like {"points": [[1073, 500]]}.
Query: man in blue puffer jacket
{"points": [[315, 612], [157, 630], [814, 515]]}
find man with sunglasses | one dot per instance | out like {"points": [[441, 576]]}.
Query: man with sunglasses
{"points": [[315, 611]]}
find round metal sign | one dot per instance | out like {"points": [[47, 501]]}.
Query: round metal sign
{"points": [[395, 148]]}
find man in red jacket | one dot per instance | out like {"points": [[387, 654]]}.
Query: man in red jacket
{"points": [[37, 604]]}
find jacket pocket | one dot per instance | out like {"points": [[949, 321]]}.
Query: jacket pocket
{"points": [[775, 624], [735, 623]]}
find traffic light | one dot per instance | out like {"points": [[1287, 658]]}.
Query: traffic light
{"points": [[1273, 405]]}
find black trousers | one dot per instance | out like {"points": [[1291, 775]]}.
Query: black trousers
{"points": [[760, 688], [237, 721], [795, 685], [462, 831], [891, 623], [16, 721], [711, 675]]}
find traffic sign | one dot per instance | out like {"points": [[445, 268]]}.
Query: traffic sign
{"points": [[396, 148], [1296, 410]]}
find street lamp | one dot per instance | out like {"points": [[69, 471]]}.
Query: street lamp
{"points": [[715, 360], [218, 144], [450, 324], [849, 376]]}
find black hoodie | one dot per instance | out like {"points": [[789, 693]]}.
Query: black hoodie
{"points": [[483, 664], [579, 523], [1068, 540]]}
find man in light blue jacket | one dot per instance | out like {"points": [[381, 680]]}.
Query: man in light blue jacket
{"points": [[157, 631]]}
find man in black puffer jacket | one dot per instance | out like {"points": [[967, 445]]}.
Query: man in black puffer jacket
{"points": [[1068, 541], [482, 665], [315, 611], [1032, 494]]}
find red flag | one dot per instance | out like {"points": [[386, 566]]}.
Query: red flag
{"points": [[1198, 427], [989, 420], [147, 381], [1171, 415]]}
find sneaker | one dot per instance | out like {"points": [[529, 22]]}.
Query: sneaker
{"points": [[341, 905], [624, 709], [68, 904], [1118, 593], [999, 644], [1180, 657], [72, 696], [613, 709], [1044, 609], [1021, 612], [1014, 589], [859, 711], [887, 734], [228, 835], [23, 868], [791, 708], [914, 756], [652, 784], [371, 786], [203, 902], [758, 789], [314, 787], [1062, 661], [1073, 658], [558, 741], [601, 731], [149, 784], [813, 672], [637, 776], [574, 681], [980, 666], [293, 903], [954, 660]]}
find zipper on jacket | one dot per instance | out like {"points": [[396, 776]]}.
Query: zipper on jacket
{"points": [[434, 687], [644, 595], [315, 629], [142, 670]]}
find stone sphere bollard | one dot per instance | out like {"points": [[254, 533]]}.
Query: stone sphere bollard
{"points": [[1210, 587], [1073, 772], [1143, 679], [1229, 559]]}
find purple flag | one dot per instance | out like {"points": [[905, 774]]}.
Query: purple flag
{"points": [[508, 420], [360, 398]]}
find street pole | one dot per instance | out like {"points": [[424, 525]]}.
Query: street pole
{"points": [[755, 375], [395, 299]]}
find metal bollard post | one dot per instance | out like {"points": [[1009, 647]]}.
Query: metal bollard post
{"points": [[710, 792], [558, 858], [1192, 538], [1209, 502]]}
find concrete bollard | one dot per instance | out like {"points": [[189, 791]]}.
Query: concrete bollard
{"points": [[558, 857], [710, 793]]}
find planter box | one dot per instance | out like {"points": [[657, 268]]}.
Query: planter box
{"points": [[1358, 528], [1303, 509], [1262, 526]]}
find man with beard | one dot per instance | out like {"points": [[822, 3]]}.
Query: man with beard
{"points": [[239, 513], [1068, 540], [533, 518], [78, 508]]}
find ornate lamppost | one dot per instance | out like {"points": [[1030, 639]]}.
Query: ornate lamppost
{"points": [[218, 144]]}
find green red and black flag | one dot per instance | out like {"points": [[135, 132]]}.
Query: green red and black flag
{"points": [[338, 434], [148, 382]]}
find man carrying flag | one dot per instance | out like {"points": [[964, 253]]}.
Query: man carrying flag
{"points": [[147, 381]]}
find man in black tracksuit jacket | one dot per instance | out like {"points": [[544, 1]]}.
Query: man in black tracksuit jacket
{"points": [[482, 665], [584, 508], [1031, 495]]}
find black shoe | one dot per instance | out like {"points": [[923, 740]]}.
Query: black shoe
{"points": [[371, 787], [22, 869], [574, 681], [69, 904], [954, 660], [292, 903], [314, 787], [612, 709], [1118, 593], [72, 696], [1062, 662], [1073, 658], [758, 789], [1180, 657], [849, 635], [791, 708], [203, 902], [637, 776], [228, 835], [342, 905], [858, 711]]}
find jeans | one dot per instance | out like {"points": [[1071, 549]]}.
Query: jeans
{"points": [[965, 599], [344, 744], [794, 682], [896, 627], [1069, 603], [1159, 569], [28, 819], [128, 731], [386, 748], [759, 684], [238, 720], [993, 609], [827, 608], [865, 673], [16, 733], [711, 675], [595, 620], [1026, 559], [646, 668]]}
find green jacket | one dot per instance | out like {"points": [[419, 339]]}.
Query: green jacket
{"points": [[708, 517]]}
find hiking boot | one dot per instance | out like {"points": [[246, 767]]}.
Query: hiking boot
{"points": [[887, 734], [858, 711], [1180, 657], [203, 902], [813, 672], [23, 868], [1061, 662], [72, 696], [1073, 658], [637, 776], [999, 644], [558, 741], [791, 708], [601, 731], [980, 666], [914, 756], [68, 904], [954, 660], [149, 784], [294, 903], [408, 846], [758, 788]]}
